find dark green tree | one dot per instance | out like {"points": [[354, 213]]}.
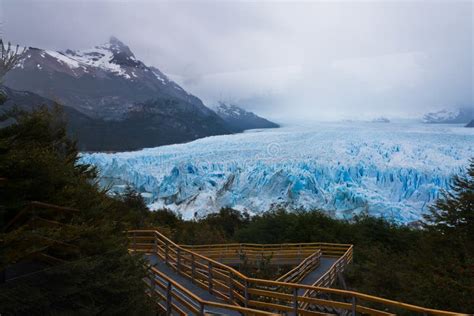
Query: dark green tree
{"points": [[453, 213], [97, 274]]}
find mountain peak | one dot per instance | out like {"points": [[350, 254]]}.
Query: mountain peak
{"points": [[122, 55], [118, 45], [114, 40]]}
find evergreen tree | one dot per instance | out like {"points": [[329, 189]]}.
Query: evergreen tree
{"points": [[96, 275], [453, 214]]}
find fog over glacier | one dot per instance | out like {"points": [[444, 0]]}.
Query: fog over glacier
{"points": [[389, 170], [286, 60]]}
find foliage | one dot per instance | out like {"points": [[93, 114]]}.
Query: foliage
{"points": [[98, 275], [453, 214], [261, 268], [9, 57]]}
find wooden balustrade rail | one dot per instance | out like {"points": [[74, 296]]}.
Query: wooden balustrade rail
{"points": [[234, 253], [173, 298], [34, 210], [296, 274], [273, 296]]}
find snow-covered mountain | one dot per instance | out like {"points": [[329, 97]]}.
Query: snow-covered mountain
{"points": [[462, 115], [388, 170], [239, 119], [109, 84]]}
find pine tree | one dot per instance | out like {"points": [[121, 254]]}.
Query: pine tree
{"points": [[97, 274], [453, 213]]}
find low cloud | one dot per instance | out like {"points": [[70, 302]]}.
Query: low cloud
{"points": [[289, 61]]}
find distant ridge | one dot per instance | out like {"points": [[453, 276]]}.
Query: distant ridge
{"points": [[238, 119], [461, 115]]}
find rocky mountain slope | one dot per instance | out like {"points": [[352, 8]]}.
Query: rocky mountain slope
{"points": [[238, 119], [130, 105]]}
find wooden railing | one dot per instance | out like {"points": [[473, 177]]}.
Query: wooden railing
{"points": [[38, 211], [273, 296], [173, 298], [284, 254], [276, 254], [299, 272], [344, 254]]}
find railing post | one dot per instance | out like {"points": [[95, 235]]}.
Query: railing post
{"points": [[231, 287], [155, 245], [134, 242], [152, 283], [166, 252], [193, 268], [209, 276], [201, 309], [168, 299], [246, 293], [354, 306], [178, 263], [295, 301]]}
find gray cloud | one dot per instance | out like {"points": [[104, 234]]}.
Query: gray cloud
{"points": [[286, 60]]}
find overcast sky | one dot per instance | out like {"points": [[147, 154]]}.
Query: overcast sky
{"points": [[286, 60]]}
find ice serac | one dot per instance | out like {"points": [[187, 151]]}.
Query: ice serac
{"points": [[394, 171]]}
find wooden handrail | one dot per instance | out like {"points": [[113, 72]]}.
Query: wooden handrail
{"points": [[259, 245], [233, 286], [301, 270], [203, 303], [31, 206]]}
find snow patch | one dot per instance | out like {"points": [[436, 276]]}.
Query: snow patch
{"points": [[70, 62]]}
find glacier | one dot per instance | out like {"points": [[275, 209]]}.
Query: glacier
{"points": [[389, 170]]}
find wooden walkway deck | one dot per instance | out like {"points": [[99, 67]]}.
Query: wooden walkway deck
{"points": [[186, 280], [155, 261]]}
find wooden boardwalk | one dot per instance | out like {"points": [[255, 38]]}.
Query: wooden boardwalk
{"points": [[191, 280], [199, 280], [185, 282], [155, 261]]}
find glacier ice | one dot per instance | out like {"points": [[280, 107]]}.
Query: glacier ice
{"points": [[390, 170]]}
